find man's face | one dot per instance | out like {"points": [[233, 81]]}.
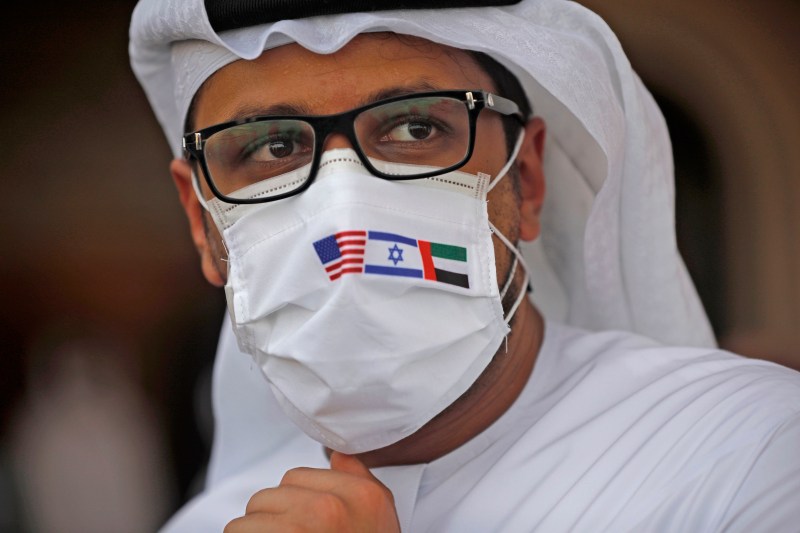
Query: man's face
{"points": [[371, 64]]}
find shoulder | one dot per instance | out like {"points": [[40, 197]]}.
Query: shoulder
{"points": [[644, 437], [620, 365], [681, 411], [768, 498]]}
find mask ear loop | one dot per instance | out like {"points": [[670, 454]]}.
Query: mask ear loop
{"points": [[521, 261], [518, 259], [227, 253], [511, 159], [204, 203], [200, 197], [510, 278]]}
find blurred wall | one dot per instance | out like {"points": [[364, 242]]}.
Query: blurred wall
{"points": [[96, 266], [727, 73]]}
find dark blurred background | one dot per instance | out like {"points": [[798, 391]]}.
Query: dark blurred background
{"points": [[108, 331]]}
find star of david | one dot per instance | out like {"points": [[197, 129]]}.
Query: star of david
{"points": [[395, 254]]}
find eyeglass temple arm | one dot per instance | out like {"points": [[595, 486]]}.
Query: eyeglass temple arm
{"points": [[503, 105]]}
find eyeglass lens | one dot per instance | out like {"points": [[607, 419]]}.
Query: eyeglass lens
{"points": [[403, 138]]}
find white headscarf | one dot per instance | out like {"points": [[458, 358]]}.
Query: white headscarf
{"points": [[607, 258]]}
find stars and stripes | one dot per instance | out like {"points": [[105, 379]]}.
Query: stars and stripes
{"points": [[342, 253]]}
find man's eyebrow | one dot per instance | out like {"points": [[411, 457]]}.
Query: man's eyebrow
{"points": [[299, 108], [391, 92], [250, 110]]}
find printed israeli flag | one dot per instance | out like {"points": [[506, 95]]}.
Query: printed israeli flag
{"points": [[390, 254]]}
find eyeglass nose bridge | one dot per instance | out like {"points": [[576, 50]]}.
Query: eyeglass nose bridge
{"points": [[341, 126]]}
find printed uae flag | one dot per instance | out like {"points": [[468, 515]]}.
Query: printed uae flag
{"points": [[444, 262], [389, 254]]}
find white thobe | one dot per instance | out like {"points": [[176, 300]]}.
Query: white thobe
{"points": [[613, 432]]}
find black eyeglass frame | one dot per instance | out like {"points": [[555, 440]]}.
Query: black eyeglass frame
{"points": [[324, 125]]}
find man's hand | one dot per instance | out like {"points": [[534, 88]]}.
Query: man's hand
{"points": [[346, 498]]}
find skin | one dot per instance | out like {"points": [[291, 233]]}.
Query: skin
{"points": [[347, 497]]}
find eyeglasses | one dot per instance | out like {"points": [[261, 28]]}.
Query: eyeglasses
{"points": [[267, 158]]}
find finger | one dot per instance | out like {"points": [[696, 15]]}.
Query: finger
{"points": [[255, 523], [349, 464], [352, 465], [315, 510], [329, 500], [353, 483], [321, 479], [345, 471], [267, 501], [278, 500]]}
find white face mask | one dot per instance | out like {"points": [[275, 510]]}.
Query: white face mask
{"points": [[370, 305]]}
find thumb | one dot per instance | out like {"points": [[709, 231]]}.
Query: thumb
{"points": [[349, 464]]}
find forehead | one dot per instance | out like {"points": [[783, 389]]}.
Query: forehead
{"points": [[322, 84]]}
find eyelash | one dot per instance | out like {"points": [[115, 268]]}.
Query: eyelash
{"points": [[399, 121]]}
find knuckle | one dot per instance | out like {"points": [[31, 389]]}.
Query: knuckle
{"points": [[234, 525], [295, 476], [330, 508], [388, 495], [372, 494], [254, 503]]}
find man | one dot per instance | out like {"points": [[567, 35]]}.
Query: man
{"points": [[359, 183]]}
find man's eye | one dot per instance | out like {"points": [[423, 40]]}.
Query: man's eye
{"points": [[271, 150], [411, 130]]}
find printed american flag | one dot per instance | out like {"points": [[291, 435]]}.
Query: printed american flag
{"points": [[342, 253]]}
